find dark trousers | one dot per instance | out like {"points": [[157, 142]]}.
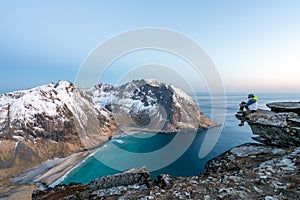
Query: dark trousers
{"points": [[242, 106], [245, 113]]}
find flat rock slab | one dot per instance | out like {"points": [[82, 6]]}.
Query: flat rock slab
{"points": [[285, 106]]}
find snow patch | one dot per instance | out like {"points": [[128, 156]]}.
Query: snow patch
{"points": [[16, 144], [152, 82], [104, 113], [119, 141], [62, 85], [18, 137], [180, 93]]}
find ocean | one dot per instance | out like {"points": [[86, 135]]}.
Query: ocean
{"points": [[144, 149]]}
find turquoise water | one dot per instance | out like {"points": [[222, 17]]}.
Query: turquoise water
{"points": [[189, 163]]}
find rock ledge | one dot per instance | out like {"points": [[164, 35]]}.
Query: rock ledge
{"points": [[285, 107], [280, 126]]}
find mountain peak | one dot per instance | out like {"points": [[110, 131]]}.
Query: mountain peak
{"points": [[63, 84], [148, 105]]}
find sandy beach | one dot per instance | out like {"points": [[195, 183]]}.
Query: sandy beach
{"points": [[22, 186], [51, 170]]}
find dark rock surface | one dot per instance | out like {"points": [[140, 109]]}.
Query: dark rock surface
{"points": [[285, 107], [131, 180], [250, 171], [148, 105]]}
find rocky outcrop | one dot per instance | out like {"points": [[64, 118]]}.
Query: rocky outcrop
{"points": [[285, 107], [110, 186], [250, 171], [279, 127], [256, 171]]}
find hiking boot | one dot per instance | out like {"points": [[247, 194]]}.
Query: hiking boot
{"points": [[241, 124]]}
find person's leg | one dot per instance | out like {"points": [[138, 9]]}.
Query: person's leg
{"points": [[243, 119], [245, 114], [241, 107]]}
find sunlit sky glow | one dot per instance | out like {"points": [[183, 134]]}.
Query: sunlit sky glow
{"points": [[255, 45]]}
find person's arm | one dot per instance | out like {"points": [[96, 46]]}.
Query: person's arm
{"points": [[251, 101]]}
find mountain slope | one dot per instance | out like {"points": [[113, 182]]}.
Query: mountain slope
{"points": [[49, 121], [150, 105]]}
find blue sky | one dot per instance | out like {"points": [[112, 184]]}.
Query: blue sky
{"points": [[255, 45]]}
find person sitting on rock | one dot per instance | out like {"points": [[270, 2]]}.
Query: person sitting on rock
{"points": [[250, 106]]}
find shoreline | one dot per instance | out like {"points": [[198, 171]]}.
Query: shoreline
{"points": [[51, 170], [22, 185], [63, 177], [55, 175], [118, 134]]}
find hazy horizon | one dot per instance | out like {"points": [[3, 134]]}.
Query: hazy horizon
{"points": [[205, 91], [255, 45]]}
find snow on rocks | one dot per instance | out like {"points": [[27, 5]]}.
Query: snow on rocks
{"points": [[57, 109], [53, 109], [152, 82], [150, 105]]}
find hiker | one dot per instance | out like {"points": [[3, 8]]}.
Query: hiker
{"points": [[250, 106]]}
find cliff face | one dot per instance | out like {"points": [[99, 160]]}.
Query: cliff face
{"points": [[149, 105], [280, 126]]}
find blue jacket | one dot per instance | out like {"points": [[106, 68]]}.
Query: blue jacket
{"points": [[252, 103]]}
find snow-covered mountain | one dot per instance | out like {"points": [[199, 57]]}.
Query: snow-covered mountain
{"points": [[150, 105], [57, 119], [54, 112], [49, 121]]}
